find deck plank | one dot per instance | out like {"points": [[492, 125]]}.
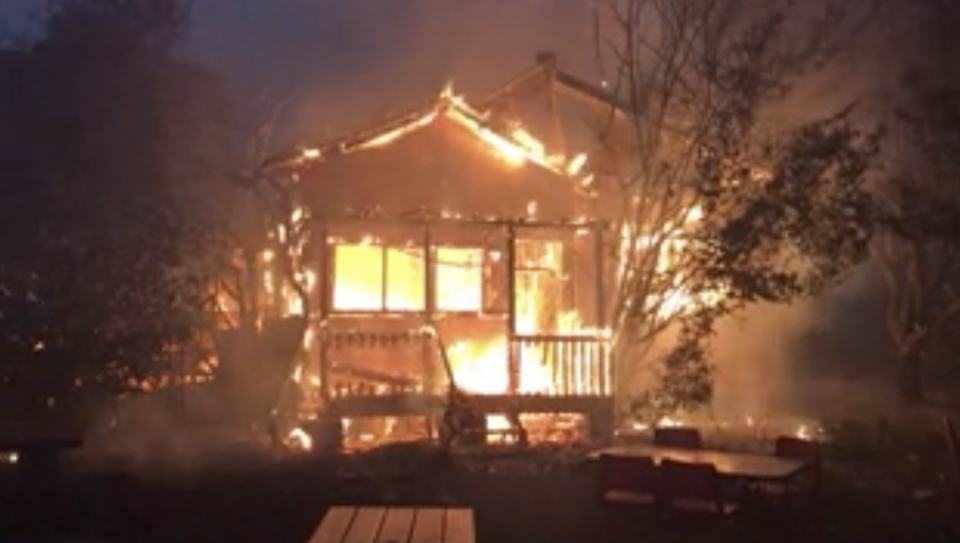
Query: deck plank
{"points": [[428, 526], [334, 525], [397, 525], [366, 525], [458, 527]]}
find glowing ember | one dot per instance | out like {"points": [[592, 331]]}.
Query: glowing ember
{"points": [[299, 440]]}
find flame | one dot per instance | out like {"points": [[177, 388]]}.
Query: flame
{"points": [[459, 275], [387, 138], [299, 440], [676, 298], [511, 143], [480, 366], [9, 458]]}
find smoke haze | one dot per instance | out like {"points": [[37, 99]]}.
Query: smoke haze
{"points": [[343, 64]]}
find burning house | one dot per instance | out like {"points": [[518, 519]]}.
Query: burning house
{"points": [[447, 247]]}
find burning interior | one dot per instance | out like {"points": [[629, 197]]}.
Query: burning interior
{"points": [[445, 248]]}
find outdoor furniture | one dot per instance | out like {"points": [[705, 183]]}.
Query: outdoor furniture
{"points": [[342, 524], [627, 480], [806, 483], [740, 467], [693, 488], [685, 438]]}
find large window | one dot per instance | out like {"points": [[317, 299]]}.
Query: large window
{"points": [[459, 279], [405, 272], [377, 278]]}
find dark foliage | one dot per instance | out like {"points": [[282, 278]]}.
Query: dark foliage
{"points": [[114, 164]]}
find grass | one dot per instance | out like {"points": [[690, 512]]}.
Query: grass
{"points": [[542, 495]]}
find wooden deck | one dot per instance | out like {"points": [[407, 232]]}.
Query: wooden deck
{"points": [[349, 524]]}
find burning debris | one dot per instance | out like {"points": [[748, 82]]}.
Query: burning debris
{"points": [[298, 440]]}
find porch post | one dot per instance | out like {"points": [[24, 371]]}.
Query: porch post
{"points": [[325, 289], [513, 356], [601, 302], [430, 303], [606, 372]]}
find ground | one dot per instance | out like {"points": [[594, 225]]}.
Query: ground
{"points": [[545, 495]]}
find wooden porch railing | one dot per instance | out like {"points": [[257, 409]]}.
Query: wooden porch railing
{"points": [[574, 365]]}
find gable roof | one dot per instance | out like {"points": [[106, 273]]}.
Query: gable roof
{"points": [[504, 139]]}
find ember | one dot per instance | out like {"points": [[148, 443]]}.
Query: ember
{"points": [[299, 440]]}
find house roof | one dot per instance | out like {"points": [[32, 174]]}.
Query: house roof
{"points": [[505, 140]]}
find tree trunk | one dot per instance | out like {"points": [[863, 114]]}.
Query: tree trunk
{"points": [[910, 379]]}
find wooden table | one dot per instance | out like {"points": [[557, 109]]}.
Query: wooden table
{"points": [[754, 467], [350, 524]]}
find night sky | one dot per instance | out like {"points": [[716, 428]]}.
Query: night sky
{"points": [[344, 64], [342, 60]]}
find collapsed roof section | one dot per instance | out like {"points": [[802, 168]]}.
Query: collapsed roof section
{"points": [[506, 140]]}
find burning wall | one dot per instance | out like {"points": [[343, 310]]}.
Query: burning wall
{"points": [[466, 183], [452, 219], [463, 287]]}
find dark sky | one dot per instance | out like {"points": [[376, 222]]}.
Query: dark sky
{"points": [[349, 59], [344, 63], [344, 59]]}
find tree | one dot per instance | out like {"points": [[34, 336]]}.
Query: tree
{"points": [[117, 189], [721, 204], [919, 253]]}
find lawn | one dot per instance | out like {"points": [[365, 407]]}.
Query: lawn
{"points": [[543, 495]]}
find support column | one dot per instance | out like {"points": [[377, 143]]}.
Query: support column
{"points": [[606, 370], [513, 355], [430, 304], [599, 261], [428, 343], [325, 288]]}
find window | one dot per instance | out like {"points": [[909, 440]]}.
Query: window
{"points": [[459, 279], [377, 278], [358, 278], [405, 280]]}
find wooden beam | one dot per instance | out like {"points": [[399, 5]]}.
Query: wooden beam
{"points": [[325, 286], [513, 358]]}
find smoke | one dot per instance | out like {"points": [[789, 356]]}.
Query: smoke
{"points": [[340, 65], [149, 434]]}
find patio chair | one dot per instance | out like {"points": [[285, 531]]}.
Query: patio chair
{"points": [[693, 488], [682, 438], [627, 480], [804, 485], [806, 450]]}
